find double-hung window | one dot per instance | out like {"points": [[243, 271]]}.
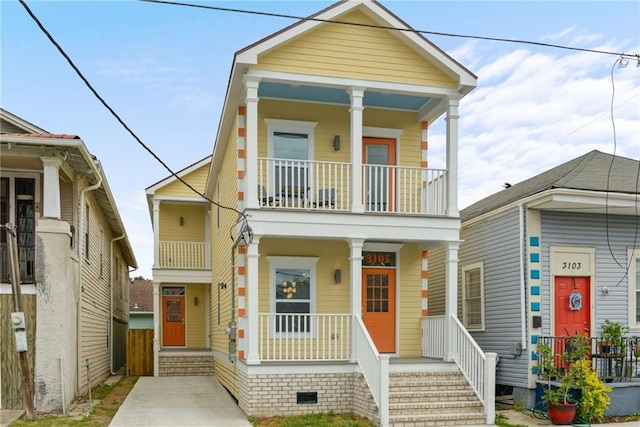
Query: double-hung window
{"points": [[292, 294], [473, 297], [290, 150]]}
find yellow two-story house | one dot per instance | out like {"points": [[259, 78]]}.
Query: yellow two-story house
{"points": [[319, 211]]}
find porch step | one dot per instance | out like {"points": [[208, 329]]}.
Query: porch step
{"points": [[185, 365], [433, 399]]}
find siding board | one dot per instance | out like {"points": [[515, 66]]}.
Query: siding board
{"points": [[495, 243]]}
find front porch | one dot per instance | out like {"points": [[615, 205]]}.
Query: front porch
{"points": [[315, 340]]}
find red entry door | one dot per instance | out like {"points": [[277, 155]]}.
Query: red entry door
{"points": [[173, 320], [572, 305], [379, 307]]}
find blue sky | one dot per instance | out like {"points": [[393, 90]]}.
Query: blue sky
{"points": [[164, 70]]}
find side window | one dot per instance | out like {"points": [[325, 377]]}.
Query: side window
{"points": [[293, 293], [473, 297]]}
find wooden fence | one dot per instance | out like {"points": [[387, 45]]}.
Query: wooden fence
{"points": [[140, 352]]}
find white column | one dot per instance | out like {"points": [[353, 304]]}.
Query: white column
{"points": [[355, 282], [251, 285], [451, 297], [51, 198], [251, 141], [156, 328], [356, 94], [156, 233], [452, 156]]}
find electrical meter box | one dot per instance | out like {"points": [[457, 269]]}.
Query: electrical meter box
{"points": [[17, 320]]}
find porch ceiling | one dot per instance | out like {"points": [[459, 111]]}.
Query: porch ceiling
{"points": [[372, 98]]}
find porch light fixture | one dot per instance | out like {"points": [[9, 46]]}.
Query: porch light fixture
{"points": [[181, 221], [337, 276], [289, 288], [336, 142], [195, 300]]}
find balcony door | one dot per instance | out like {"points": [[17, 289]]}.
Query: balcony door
{"points": [[378, 180]]}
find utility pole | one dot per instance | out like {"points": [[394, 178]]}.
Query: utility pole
{"points": [[17, 320]]}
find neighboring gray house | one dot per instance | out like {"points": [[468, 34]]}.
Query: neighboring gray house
{"points": [[572, 229], [141, 304]]}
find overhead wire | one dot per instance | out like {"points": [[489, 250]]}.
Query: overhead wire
{"points": [[621, 62], [384, 27], [118, 118]]}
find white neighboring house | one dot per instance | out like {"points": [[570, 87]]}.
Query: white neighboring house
{"points": [[74, 257]]}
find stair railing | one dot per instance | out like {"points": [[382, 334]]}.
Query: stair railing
{"points": [[375, 368], [478, 367]]}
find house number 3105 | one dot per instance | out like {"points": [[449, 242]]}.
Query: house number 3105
{"points": [[571, 265]]}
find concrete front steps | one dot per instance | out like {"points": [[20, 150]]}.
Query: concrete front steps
{"points": [[433, 398], [189, 363]]}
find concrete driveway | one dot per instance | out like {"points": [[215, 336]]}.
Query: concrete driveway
{"points": [[179, 401]]}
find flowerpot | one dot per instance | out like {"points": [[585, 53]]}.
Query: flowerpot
{"points": [[562, 413]]}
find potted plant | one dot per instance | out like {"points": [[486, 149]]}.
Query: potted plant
{"points": [[580, 391], [612, 337]]}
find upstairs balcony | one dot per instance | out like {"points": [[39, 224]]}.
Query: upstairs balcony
{"points": [[326, 186], [184, 255]]}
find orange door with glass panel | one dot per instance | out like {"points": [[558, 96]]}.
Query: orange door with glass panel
{"points": [[173, 319], [379, 307]]}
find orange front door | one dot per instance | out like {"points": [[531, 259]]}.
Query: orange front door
{"points": [[173, 317], [379, 180], [572, 305], [379, 307]]}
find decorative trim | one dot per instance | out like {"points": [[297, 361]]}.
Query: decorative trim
{"points": [[425, 283]]}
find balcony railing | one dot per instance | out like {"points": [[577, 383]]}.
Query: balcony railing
{"points": [[613, 363], [185, 255], [314, 185], [304, 337]]}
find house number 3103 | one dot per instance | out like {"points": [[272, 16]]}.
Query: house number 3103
{"points": [[571, 265]]}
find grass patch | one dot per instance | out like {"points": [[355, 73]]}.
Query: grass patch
{"points": [[106, 399], [502, 421], [313, 420]]}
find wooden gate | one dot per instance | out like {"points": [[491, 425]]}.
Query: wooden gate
{"points": [[140, 352]]}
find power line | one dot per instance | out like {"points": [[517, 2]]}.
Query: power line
{"points": [[383, 27], [118, 118]]}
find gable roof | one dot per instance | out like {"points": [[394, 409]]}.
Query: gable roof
{"points": [[245, 58], [141, 296], [594, 171], [11, 123]]}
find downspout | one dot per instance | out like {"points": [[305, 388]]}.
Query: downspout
{"points": [[80, 262], [523, 284], [111, 302]]}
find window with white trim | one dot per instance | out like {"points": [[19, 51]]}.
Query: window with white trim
{"points": [[473, 297], [634, 289], [292, 293], [290, 148]]}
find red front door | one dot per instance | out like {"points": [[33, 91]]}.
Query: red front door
{"points": [[572, 306], [173, 316], [379, 307]]}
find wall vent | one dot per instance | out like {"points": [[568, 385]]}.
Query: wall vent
{"points": [[306, 397]]}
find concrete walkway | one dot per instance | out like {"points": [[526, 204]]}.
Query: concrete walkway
{"points": [[179, 401]]}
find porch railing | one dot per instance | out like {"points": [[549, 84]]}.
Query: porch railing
{"points": [[304, 337], [185, 255], [315, 185], [26, 261], [478, 367], [614, 362], [375, 368]]}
